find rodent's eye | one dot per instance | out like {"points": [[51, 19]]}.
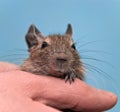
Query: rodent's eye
{"points": [[44, 44], [73, 46]]}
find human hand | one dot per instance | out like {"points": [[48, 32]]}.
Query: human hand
{"points": [[24, 92]]}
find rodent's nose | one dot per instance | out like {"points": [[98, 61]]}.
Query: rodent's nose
{"points": [[61, 60]]}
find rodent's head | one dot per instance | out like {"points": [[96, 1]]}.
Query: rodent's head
{"points": [[54, 55]]}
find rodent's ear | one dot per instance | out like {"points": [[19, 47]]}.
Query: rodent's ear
{"points": [[33, 29], [33, 36], [69, 30]]}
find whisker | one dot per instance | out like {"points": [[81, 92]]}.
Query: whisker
{"points": [[91, 68], [92, 51], [17, 50], [87, 43], [81, 39], [98, 70], [2, 56], [14, 61], [14, 58], [95, 79], [97, 60]]}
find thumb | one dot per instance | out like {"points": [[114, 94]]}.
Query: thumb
{"points": [[56, 93], [39, 107]]}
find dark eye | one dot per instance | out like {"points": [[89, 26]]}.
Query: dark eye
{"points": [[73, 46], [44, 44]]}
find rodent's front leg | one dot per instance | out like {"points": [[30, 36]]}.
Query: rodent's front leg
{"points": [[70, 77]]}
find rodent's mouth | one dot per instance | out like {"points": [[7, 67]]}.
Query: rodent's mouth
{"points": [[60, 74], [60, 69], [57, 71]]}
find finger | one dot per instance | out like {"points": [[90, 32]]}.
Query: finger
{"points": [[39, 107], [78, 95], [5, 66], [56, 93], [12, 102]]}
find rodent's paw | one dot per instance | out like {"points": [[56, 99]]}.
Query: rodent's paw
{"points": [[70, 77]]}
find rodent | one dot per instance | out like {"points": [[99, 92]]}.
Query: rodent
{"points": [[54, 55]]}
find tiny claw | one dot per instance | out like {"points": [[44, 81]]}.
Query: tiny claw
{"points": [[70, 77], [66, 78]]}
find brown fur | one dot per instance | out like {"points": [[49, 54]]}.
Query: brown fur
{"points": [[54, 55]]}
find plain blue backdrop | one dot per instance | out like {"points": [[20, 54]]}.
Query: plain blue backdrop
{"points": [[96, 25]]}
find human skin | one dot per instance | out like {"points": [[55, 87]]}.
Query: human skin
{"points": [[25, 92]]}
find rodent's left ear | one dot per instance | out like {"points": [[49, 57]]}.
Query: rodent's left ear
{"points": [[33, 29], [33, 37], [69, 30]]}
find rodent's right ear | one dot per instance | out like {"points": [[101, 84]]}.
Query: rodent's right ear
{"points": [[33, 36], [69, 30]]}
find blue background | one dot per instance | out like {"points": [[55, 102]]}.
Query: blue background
{"points": [[96, 25]]}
